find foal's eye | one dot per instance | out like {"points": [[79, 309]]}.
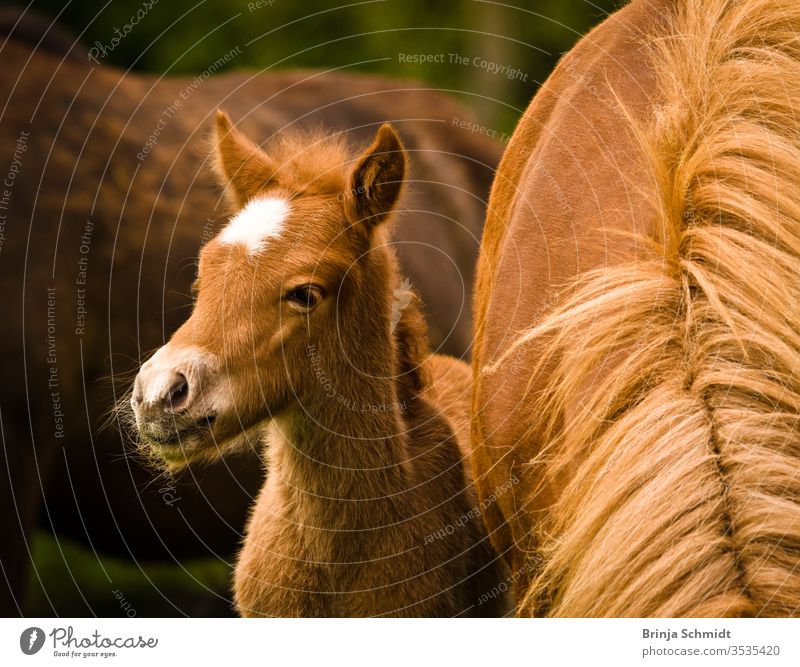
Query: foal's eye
{"points": [[304, 297]]}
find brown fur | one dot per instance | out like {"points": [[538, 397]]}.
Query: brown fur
{"points": [[362, 443], [657, 399]]}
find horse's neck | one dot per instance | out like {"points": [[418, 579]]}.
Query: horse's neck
{"points": [[346, 438], [319, 469]]}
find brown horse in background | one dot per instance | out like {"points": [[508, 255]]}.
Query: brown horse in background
{"points": [[100, 231], [304, 335], [637, 318]]}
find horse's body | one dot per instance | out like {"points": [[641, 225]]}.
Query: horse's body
{"points": [[651, 413], [304, 337], [84, 208]]}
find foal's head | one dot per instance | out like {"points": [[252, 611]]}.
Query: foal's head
{"points": [[275, 287]]}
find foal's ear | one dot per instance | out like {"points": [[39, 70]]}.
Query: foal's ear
{"points": [[242, 167], [375, 182]]}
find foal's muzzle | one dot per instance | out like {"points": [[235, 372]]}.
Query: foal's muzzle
{"points": [[171, 396]]}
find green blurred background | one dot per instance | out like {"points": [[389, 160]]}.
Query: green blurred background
{"points": [[185, 37], [181, 37]]}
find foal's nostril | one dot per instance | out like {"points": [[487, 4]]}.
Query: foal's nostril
{"points": [[178, 393]]}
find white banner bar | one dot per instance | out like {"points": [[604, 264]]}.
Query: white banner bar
{"points": [[398, 643]]}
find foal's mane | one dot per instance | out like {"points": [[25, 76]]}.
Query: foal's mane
{"points": [[679, 463], [411, 350]]}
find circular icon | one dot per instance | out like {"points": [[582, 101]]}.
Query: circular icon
{"points": [[31, 640]]}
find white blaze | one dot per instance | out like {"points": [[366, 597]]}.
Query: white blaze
{"points": [[263, 218]]}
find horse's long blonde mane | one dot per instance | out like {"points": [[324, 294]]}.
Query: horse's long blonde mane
{"points": [[679, 462]]}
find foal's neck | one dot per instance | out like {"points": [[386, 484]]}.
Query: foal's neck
{"points": [[346, 439]]}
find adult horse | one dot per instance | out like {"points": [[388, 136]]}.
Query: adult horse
{"points": [[106, 206], [637, 320]]}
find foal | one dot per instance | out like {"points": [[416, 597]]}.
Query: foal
{"points": [[301, 323]]}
